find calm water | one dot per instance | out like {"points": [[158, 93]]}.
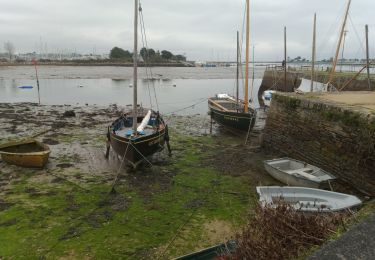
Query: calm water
{"points": [[172, 94]]}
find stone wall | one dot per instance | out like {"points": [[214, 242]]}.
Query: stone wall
{"points": [[274, 79], [336, 138]]}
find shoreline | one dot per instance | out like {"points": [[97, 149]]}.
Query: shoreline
{"points": [[94, 64]]}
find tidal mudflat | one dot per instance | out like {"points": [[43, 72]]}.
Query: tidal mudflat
{"points": [[198, 197]]}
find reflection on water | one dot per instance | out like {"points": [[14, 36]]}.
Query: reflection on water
{"points": [[172, 94]]}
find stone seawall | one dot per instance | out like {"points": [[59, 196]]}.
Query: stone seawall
{"points": [[338, 138], [274, 80]]}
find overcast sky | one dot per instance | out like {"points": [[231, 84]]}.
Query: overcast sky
{"points": [[201, 29]]}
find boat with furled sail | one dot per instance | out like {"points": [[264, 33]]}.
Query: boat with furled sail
{"points": [[140, 132], [230, 111]]}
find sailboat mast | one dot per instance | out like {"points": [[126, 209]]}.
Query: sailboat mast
{"points": [[367, 59], [331, 76], [238, 67], [285, 65], [313, 56], [246, 108], [135, 68]]}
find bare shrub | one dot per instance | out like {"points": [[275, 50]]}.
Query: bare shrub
{"points": [[284, 233]]}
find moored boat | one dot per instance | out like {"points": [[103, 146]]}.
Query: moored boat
{"points": [[229, 111], [29, 153], [134, 148], [306, 199], [267, 97], [140, 132], [297, 173]]}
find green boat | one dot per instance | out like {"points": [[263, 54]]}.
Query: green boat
{"points": [[212, 253]]}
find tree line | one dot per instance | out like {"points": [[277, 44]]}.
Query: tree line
{"points": [[148, 55]]}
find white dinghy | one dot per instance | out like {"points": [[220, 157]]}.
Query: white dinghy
{"points": [[306, 199], [296, 173]]}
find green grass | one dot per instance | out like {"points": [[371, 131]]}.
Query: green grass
{"points": [[58, 219]]}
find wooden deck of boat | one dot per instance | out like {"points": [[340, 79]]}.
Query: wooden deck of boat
{"points": [[227, 105]]}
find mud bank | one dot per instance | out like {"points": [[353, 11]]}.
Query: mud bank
{"points": [[192, 200]]}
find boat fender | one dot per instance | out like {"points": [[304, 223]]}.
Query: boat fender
{"points": [[129, 133]]}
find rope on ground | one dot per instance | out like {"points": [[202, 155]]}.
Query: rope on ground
{"points": [[251, 122], [119, 169]]}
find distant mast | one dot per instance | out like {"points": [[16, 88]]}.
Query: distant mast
{"points": [[285, 65], [246, 108], [313, 56], [135, 68], [332, 75], [367, 59], [238, 69]]}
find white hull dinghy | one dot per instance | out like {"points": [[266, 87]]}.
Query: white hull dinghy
{"points": [[296, 173], [306, 199]]}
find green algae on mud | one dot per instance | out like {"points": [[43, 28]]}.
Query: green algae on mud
{"points": [[192, 200]]}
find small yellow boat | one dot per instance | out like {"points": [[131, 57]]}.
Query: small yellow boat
{"points": [[31, 153]]}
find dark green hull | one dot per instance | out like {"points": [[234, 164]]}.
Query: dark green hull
{"points": [[237, 121], [212, 253]]}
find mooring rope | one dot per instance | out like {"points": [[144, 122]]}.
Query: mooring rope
{"points": [[185, 108]]}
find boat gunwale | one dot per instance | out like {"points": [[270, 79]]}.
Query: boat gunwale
{"points": [[266, 163], [126, 140], [39, 153]]}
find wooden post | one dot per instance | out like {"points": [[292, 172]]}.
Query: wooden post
{"points": [[246, 107], [368, 59], [313, 56], [211, 123], [285, 63]]}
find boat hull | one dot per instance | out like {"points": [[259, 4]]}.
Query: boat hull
{"points": [[212, 253], [296, 180], [237, 121], [135, 151], [306, 199], [28, 159], [291, 180]]}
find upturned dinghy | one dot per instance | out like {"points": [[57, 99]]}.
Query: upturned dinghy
{"points": [[29, 153], [296, 173], [306, 199]]}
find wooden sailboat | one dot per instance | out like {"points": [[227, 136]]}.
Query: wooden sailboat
{"points": [[229, 111], [141, 132]]}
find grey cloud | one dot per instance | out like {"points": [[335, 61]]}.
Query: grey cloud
{"points": [[201, 29]]}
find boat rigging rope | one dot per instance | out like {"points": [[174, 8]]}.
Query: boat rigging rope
{"points": [[361, 42], [191, 106], [146, 70], [146, 61]]}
